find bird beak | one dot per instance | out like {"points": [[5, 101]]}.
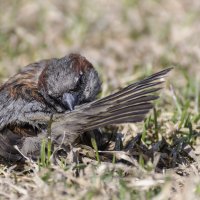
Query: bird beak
{"points": [[69, 101]]}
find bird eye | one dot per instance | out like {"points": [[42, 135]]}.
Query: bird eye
{"points": [[76, 79], [50, 92]]}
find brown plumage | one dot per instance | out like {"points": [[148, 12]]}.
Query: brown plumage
{"points": [[53, 88]]}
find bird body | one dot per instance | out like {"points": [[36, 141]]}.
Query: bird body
{"points": [[23, 102], [65, 91], [19, 96]]}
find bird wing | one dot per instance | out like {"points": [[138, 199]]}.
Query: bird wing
{"points": [[128, 105]]}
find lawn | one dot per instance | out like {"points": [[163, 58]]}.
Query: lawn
{"points": [[125, 40]]}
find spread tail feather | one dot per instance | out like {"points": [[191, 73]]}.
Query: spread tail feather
{"points": [[128, 105]]}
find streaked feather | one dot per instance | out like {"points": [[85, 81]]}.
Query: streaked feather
{"points": [[128, 105]]}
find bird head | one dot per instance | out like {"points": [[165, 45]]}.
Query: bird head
{"points": [[69, 81]]}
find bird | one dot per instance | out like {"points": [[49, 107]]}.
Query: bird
{"points": [[64, 91]]}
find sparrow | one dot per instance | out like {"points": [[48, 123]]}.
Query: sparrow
{"points": [[64, 91]]}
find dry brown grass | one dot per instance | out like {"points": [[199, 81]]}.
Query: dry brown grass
{"points": [[125, 40]]}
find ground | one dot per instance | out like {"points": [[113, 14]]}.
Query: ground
{"points": [[125, 40]]}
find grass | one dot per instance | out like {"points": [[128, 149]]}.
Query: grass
{"points": [[126, 41]]}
